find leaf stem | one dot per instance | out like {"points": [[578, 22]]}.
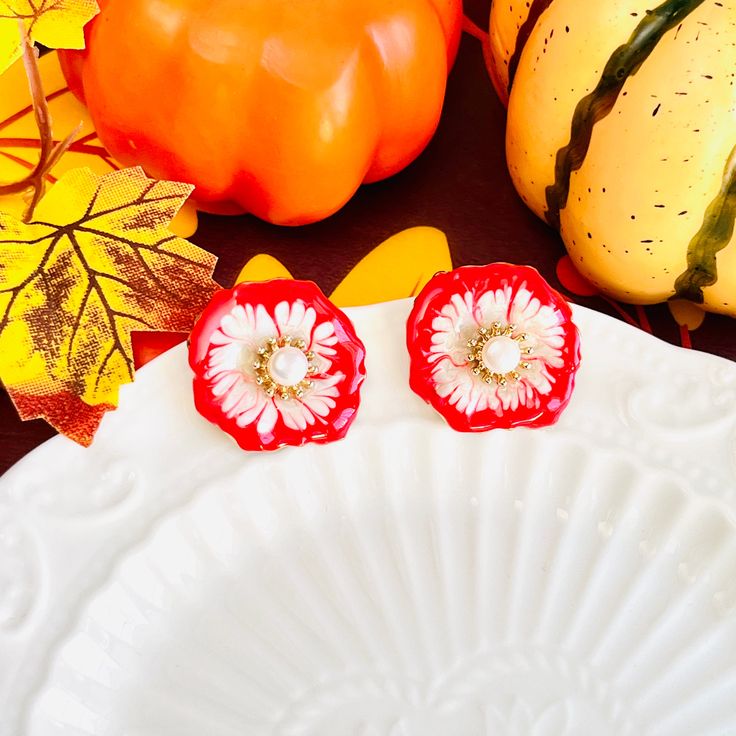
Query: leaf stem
{"points": [[49, 154]]}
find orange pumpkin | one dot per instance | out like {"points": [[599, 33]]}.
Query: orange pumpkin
{"points": [[274, 107]]}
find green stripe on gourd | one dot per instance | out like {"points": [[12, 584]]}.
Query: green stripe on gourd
{"points": [[714, 235], [623, 63], [535, 11]]}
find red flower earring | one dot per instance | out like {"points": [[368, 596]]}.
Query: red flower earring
{"points": [[493, 347], [275, 364]]}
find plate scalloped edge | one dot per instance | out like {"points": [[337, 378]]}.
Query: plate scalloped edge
{"points": [[68, 516]]}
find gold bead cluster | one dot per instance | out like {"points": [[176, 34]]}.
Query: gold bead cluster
{"points": [[265, 380], [475, 354]]}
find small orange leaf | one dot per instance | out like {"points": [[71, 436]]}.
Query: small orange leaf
{"points": [[149, 345], [97, 262]]}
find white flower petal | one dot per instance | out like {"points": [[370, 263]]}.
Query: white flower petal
{"points": [[493, 306], [245, 324], [466, 392], [441, 323], [251, 414], [320, 399], [321, 407], [248, 400], [510, 396], [242, 397], [539, 380], [459, 321], [463, 306], [223, 383], [224, 358], [324, 331], [295, 414], [267, 420], [541, 323], [453, 327], [323, 364], [525, 305], [220, 338], [235, 343], [237, 324], [295, 320], [282, 312], [264, 326], [459, 398], [233, 396], [323, 339]]}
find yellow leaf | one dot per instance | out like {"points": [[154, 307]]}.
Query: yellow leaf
{"points": [[96, 263], [186, 221], [263, 268], [58, 24], [398, 268]]}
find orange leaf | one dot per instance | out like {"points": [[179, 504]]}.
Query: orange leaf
{"points": [[149, 345], [63, 409]]}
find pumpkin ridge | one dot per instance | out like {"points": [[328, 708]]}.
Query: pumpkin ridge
{"points": [[597, 104], [535, 13], [714, 234]]}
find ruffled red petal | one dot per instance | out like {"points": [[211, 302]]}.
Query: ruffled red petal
{"points": [[348, 360], [477, 280]]}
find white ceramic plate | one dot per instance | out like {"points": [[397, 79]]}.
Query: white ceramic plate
{"points": [[408, 581]]}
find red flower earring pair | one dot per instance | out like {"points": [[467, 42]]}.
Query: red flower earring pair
{"points": [[277, 364]]}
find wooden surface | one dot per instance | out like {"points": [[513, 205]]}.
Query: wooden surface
{"points": [[459, 185]]}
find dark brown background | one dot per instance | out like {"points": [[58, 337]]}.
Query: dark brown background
{"points": [[459, 185]]}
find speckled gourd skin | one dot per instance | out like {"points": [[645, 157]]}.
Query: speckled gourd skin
{"points": [[652, 198]]}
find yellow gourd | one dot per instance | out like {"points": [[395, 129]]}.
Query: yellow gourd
{"points": [[622, 134]]}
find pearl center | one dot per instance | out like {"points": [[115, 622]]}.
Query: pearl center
{"points": [[288, 366], [501, 355]]}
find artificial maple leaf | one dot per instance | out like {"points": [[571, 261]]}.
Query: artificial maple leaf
{"points": [[96, 263], [58, 24]]}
